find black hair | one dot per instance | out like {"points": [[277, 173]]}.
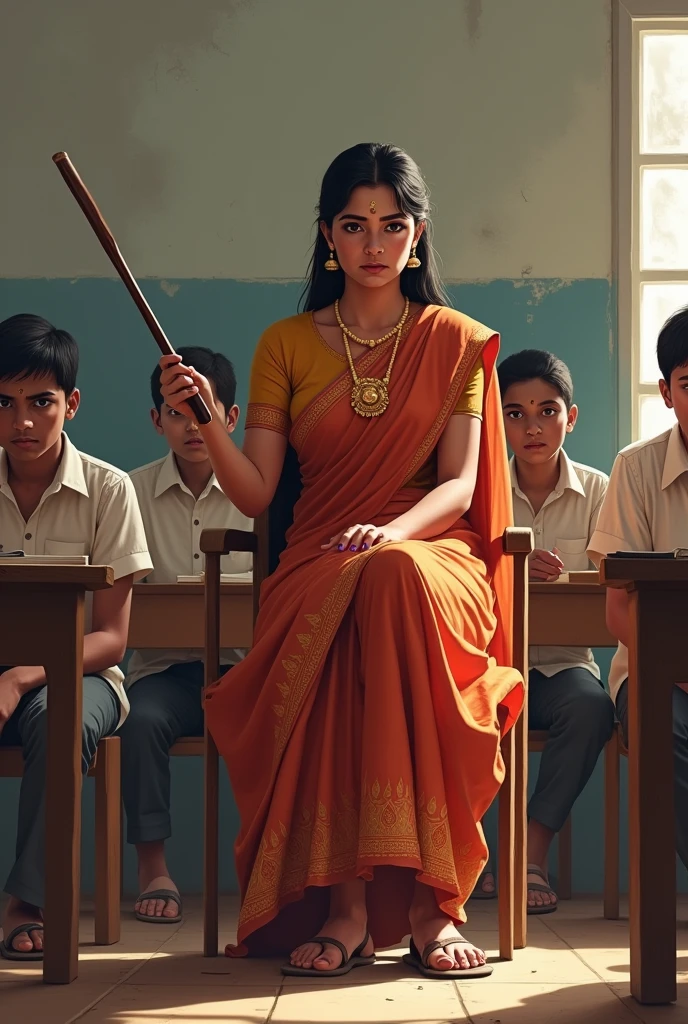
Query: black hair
{"points": [[672, 343], [213, 365], [31, 346], [370, 164], [535, 364]]}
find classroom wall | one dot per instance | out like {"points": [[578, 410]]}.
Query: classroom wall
{"points": [[203, 130]]}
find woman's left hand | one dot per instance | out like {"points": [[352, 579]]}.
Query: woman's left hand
{"points": [[362, 537]]}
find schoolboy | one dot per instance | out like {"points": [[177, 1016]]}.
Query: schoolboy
{"points": [[646, 509], [56, 500], [560, 500], [179, 497]]}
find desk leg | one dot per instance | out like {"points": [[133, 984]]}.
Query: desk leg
{"points": [[521, 829], [63, 789], [652, 841]]}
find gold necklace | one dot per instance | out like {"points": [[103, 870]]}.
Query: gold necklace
{"points": [[370, 395], [370, 342]]}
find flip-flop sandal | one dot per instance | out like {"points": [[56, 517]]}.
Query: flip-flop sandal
{"points": [[534, 911], [160, 894], [348, 962], [8, 951], [414, 959], [479, 893]]}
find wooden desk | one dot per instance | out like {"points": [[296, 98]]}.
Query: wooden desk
{"points": [[658, 613], [173, 615], [569, 614], [42, 615]]}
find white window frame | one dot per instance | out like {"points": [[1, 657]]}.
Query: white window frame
{"points": [[629, 19]]}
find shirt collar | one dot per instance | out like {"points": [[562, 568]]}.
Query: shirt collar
{"points": [[568, 478], [676, 458], [70, 472], [169, 476]]}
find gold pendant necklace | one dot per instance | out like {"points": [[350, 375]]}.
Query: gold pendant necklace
{"points": [[370, 395]]}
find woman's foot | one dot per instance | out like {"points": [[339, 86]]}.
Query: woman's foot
{"points": [[157, 907], [16, 914], [348, 923], [429, 924]]}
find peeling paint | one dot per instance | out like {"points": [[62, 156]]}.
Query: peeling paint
{"points": [[540, 289], [169, 289], [474, 12]]}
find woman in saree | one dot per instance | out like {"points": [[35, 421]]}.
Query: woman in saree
{"points": [[362, 731]]}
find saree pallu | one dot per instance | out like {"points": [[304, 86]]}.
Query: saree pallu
{"points": [[362, 731]]}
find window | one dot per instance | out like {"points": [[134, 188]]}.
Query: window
{"points": [[651, 178]]}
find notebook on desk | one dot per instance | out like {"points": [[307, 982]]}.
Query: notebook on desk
{"points": [[226, 577], [676, 553]]}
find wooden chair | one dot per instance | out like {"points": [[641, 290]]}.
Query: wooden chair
{"points": [[612, 800], [105, 769], [267, 542]]}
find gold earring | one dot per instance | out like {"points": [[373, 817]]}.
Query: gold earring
{"points": [[331, 264], [413, 262]]}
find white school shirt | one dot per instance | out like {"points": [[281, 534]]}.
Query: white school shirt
{"points": [[565, 521], [174, 520], [90, 508], [645, 509]]}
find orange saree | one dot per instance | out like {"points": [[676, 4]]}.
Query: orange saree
{"points": [[362, 730]]}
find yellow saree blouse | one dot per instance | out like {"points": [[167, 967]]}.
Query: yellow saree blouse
{"points": [[293, 364]]}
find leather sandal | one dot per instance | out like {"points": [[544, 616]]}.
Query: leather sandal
{"points": [[414, 959], [534, 910], [348, 962]]}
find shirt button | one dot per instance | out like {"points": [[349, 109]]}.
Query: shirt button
{"points": [[27, 536], [197, 555], [196, 522]]}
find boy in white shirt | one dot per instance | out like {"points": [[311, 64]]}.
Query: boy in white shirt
{"points": [[179, 497], [646, 509], [56, 500], [560, 501]]}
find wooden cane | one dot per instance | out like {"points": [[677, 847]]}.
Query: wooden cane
{"points": [[107, 241]]}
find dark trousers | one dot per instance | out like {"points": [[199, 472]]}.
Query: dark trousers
{"points": [[579, 715], [28, 728], [680, 731], [164, 707]]}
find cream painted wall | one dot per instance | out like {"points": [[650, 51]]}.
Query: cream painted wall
{"points": [[203, 127]]}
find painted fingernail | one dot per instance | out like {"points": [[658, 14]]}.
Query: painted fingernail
{"points": [[364, 547], [353, 547], [340, 547]]}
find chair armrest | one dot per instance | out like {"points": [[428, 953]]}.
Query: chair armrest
{"points": [[517, 540], [222, 542]]}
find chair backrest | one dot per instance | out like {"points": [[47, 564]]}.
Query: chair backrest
{"points": [[271, 527], [281, 510]]}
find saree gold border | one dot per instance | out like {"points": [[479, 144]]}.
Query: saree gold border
{"points": [[324, 401], [269, 417], [300, 668], [327, 843], [474, 346]]}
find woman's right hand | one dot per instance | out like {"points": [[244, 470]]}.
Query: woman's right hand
{"points": [[178, 383]]}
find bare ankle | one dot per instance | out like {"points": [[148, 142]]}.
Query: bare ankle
{"points": [[151, 861], [349, 900]]}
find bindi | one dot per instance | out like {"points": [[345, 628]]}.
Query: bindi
{"points": [[373, 206]]}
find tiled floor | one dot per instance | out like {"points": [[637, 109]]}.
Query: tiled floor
{"points": [[575, 971]]}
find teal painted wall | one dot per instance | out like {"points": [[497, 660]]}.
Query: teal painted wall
{"points": [[570, 317]]}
